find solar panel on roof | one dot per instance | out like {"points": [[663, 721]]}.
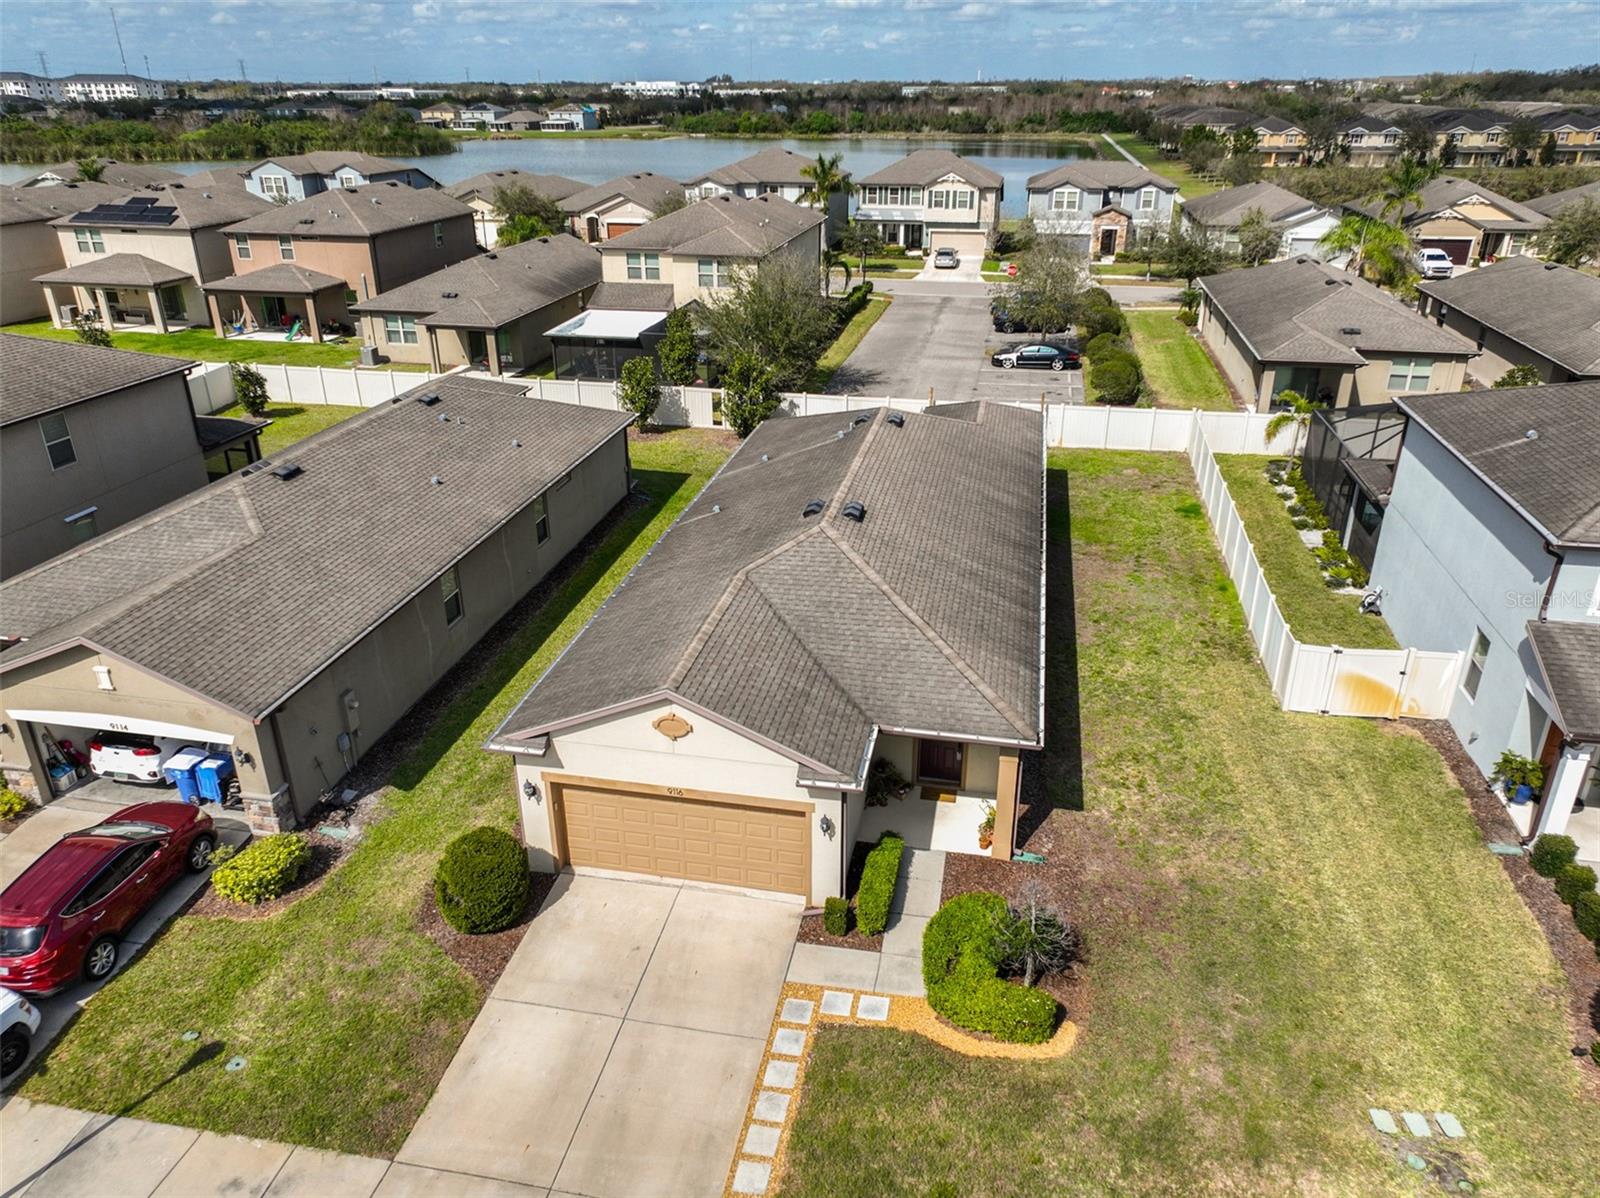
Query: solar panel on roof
{"points": [[139, 210]]}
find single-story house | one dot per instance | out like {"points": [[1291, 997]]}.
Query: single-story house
{"points": [[299, 176], [619, 205], [934, 199], [1304, 326], [29, 246], [1218, 216], [1491, 547], [478, 191], [505, 298], [1101, 206], [850, 589], [517, 120], [289, 614], [1466, 220], [1520, 311], [773, 171], [620, 321]]}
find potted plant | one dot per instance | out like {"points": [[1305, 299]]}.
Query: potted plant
{"points": [[986, 827], [884, 782], [1519, 776]]}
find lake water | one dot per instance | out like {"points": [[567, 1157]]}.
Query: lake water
{"points": [[594, 160]]}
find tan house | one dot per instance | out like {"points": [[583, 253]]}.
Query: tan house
{"points": [[619, 205], [288, 615], [478, 194], [1576, 135], [1371, 140], [142, 260], [1303, 326], [505, 299], [737, 742], [932, 199], [29, 245], [1279, 142], [306, 263], [1467, 221], [92, 438]]}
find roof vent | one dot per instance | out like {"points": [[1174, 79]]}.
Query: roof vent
{"points": [[1330, 282], [428, 400], [449, 295], [716, 509], [437, 481], [898, 419], [515, 443], [859, 420], [814, 508], [288, 470], [256, 467], [855, 510], [1350, 330], [1531, 435], [1551, 265], [444, 417], [766, 457]]}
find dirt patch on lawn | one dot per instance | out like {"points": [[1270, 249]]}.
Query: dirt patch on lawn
{"points": [[485, 956], [326, 854]]}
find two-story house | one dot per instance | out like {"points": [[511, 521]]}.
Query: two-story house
{"points": [[1491, 547], [141, 261], [478, 116], [92, 438], [478, 193], [1218, 216], [931, 199], [306, 263], [1371, 140], [1576, 134], [1279, 142], [1470, 137], [29, 245], [299, 176], [1469, 222], [774, 171], [619, 205], [1100, 205]]}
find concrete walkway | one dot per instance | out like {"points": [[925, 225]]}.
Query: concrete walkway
{"points": [[897, 969]]}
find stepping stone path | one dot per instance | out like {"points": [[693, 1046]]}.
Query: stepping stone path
{"points": [[1383, 1121], [1416, 1124], [1449, 1124]]}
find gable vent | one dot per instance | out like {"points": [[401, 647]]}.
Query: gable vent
{"points": [[814, 508], [855, 510], [288, 470]]}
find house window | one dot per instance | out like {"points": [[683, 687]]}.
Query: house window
{"points": [[1064, 199], [89, 241], [438, 234], [713, 272], [241, 244], [1563, 136], [644, 266], [286, 248], [450, 592], [57, 440], [275, 187], [1355, 139], [83, 526], [1147, 199], [541, 520], [1475, 663], [1410, 374], [400, 330], [349, 181], [1492, 138], [1390, 139]]}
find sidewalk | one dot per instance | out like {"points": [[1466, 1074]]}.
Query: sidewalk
{"points": [[897, 969]]}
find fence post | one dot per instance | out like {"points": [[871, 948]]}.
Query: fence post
{"points": [[322, 383]]}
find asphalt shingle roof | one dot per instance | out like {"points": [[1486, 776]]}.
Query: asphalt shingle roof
{"points": [[555, 187], [1568, 653], [1551, 204], [284, 278], [117, 174], [635, 297], [1225, 209], [727, 226], [929, 166], [363, 211], [496, 288], [1096, 174], [25, 205], [250, 586], [328, 162], [1447, 192], [1554, 477], [1298, 310], [39, 376], [1553, 310], [811, 631], [117, 270], [644, 188], [772, 165], [196, 207]]}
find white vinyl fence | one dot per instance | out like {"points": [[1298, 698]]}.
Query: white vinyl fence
{"points": [[211, 385]]}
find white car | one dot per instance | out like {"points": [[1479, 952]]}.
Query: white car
{"points": [[946, 259], [19, 1020], [1434, 264], [128, 757]]}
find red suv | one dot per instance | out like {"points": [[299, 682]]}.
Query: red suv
{"points": [[64, 916]]}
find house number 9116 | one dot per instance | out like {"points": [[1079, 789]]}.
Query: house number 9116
{"points": [[675, 791]]}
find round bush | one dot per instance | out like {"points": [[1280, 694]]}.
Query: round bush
{"points": [[1101, 318], [1188, 317], [1551, 852], [1118, 381], [1103, 345], [836, 916], [264, 870], [1122, 353], [960, 967], [1574, 880], [482, 881], [1586, 914]]}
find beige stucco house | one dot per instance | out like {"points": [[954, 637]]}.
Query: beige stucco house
{"points": [[847, 590], [1467, 221], [619, 205], [29, 245], [932, 199]]}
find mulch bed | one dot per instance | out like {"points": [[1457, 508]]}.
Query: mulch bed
{"points": [[485, 957], [811, 929], [1576, 954], [326, 854]]}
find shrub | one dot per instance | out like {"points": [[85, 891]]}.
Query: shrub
{"points": [[836, 916], [854, 300], [482, 881], [639, 391], [11, 804], [1102, 318], [1302, 523], [1117, 381], [1525, 375], [960, 967], [1188, 317], [677, 351], [1098, 297], [90, 332], [1103, 345], [884, 782], [878, 877], [749, 393], [263, 870], [1586, 914], [249, 388], [1573, 881], [1551, 853]]}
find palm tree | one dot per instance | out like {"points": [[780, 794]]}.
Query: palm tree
{"points": [[1368, 239], [827, 177], [1400, 187], [1298, 413]]}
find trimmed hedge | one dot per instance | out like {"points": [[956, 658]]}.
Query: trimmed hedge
{"points": [[1104, 344], [1586, 914], [854, 300], [1098, 319], [878, 877], [1551, 852], [482, 881], [836, 916], [264, 870], [961, 970], [1574, 880], [1117, 381]]}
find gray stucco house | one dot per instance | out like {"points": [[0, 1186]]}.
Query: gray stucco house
{"points": [[1101, 205], [292, 177]]}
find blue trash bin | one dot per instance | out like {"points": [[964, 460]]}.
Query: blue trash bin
{"points": [[180, 772], [212, 776]]}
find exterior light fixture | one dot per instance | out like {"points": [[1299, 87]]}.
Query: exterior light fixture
{"points": [[242, 757], [530, 791], [827, 826]]}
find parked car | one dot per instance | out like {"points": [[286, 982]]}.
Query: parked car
{"points": [[1010, 322], [128, 757], [1041, 356], [19, 1021], [946, 259], [1434, 264], [65, 915]]}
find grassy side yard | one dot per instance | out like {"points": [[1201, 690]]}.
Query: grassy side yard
{"points": [[1176, 367], [346, 1014], [1315, 613], [1190, 185], [1289, 918], [205, 346], [291, 423], [845, 343]]}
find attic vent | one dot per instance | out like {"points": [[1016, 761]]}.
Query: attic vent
{"points": [[814, 508], [1350, 330], [256, 467], [437, 481], [859, 420], [307, 220], [1330, 282], [898, 419], [428, 400], [288, 470], [1551, 265], [855, 510], [449, 295]]}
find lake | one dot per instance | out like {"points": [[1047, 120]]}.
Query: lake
{"points": [[594, 160]]}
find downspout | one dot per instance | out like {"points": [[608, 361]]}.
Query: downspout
{"points": [[1549, 588]]}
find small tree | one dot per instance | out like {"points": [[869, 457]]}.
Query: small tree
{"points": [[679, 356], [90, 170], [1572, 237], [249, 387], [639, 391], [1259, 239], [1522, 138], [525, 214], [861, 241], [1048, 293], [773, 312], [1034, 937], [1297, 413], [670, 202], [1192, 254], [1239, 169], [87, 326], [1547, 151], [749, 393], [1526, 375]]}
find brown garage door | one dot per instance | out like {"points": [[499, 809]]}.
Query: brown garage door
{"points": [[763, 848], [1459, 248], [618, 228]]}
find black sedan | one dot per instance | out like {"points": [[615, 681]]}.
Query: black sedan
{"points": [[1037, 357]]}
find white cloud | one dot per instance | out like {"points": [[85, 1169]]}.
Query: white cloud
{"points": [[223, 18]]}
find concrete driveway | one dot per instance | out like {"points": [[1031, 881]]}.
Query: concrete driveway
{"points": [[614, 1057], [944, 341]]}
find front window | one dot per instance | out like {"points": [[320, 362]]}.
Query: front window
{"points": [[541, 520], [713, 272], [400, 330], [1475, 663], [644, 266], [1410, 374], [1147, 199], [1064, 199], [90, 242], [1390, 139], [274, 186], [57, 440], [438, 234], [1563, 136], [241, 244], [1492, 138], [1355, 139], [450, 592], [286, 248]]}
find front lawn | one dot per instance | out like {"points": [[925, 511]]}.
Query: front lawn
{"points": [[1190, 185], [1289, 918], [291, 422], [1315, 614], [1176, 366], [205, 346], [845, 343], [344, 1012]]}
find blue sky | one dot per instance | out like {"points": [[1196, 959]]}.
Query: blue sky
{"points": [[796, 39]]}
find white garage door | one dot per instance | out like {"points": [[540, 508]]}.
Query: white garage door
{"points": [[967, 245], [123, 723]]}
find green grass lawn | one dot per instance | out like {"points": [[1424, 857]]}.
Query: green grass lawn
{"points": [[1315, 613], [1176, 366], [346, 1014], [845, 343], [205, 346], [1190, 185], [1289, 918], [291, 423]]}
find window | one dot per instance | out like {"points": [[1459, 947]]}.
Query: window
{"points": [[400, 330], [1390, 139], [438, 234], [286, 248], [713, 272], [1064, 199], [1492, 138], [112, 876], [541, 520], [644, 266], [1475, 664], [1355, 139], [349, 296], [89, 241], [1147, 199], [348, 180], [83, 525], [450, 591], [57, 440], [275, 187], [1368, 514], [1410, 374], [1563, 136], [241, 243]]}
